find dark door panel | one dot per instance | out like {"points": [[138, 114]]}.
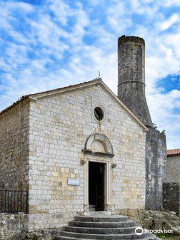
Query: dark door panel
{"points": [[97, 185]]}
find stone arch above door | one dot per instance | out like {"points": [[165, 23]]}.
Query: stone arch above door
{"points": [[98, 144]]}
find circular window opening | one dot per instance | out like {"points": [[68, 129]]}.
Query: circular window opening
{"points": [[98, 113]]}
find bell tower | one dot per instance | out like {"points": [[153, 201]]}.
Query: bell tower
{"points": [[131, 76], [131, 91]]}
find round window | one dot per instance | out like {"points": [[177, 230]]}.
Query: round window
{"points": [[98, 113]]}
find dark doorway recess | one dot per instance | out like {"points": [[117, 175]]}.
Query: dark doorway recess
{"points": [[97, 186]]}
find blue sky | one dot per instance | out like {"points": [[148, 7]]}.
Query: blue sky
{"points": [[45, 44]]}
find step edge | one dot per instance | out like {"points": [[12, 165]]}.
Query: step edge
{"points": [[73, 233], [75, 227]]}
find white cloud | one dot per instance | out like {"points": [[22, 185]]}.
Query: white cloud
{"points": [[168, 23], [162, 106], [169, 3], [48, 34], [61, 10], [120, 24], [21, 7]]}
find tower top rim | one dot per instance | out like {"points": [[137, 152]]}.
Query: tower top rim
{"points": [[125, 39]]}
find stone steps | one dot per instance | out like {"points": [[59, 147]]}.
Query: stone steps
{"points": [[68, 238], [100, 230], [108, 237], [127, 223], [102, 218], [99, 226], [102, 236]]}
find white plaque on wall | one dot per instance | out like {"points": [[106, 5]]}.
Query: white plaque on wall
{"points": [[73, 182]]}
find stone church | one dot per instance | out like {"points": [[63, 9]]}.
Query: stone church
{"points": [[172, 181], [81, 148]]}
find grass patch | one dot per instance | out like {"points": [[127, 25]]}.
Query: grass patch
{"points": [[168, 236]]}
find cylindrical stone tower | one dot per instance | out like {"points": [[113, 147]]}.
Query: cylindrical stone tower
{"points": [[131, 91], [131, 76]]}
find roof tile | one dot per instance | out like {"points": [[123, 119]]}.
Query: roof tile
{"points": [[173, 152]]}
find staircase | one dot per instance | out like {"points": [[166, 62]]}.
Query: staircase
{"points": [[100, 226]]}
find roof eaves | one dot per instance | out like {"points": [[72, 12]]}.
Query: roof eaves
{"points": [[73, 87], [14, 104], [68, 88], [50, 92], [85, 84], [173, 152], [124, 106]]}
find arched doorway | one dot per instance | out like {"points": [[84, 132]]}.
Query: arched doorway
{"points": [[99, 152]]}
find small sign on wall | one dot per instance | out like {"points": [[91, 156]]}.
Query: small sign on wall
{"points": [[73, 182]]}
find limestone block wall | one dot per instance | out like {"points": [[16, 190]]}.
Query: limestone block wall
{"points": [[171, 196], [155, 168], [173, 169], [172, 184], [14, 127], [59, 127]]}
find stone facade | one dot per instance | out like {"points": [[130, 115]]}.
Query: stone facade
{"points": [[172, 181], [49, 139], [155, 168], [171, 200], [14, 127], [59, 127], [48, 133], [173, 168]]}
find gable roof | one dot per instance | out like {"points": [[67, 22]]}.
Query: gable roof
{"points": [[173, 152], [97, 81]]}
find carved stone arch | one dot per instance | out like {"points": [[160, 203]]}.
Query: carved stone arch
{"points": [[98, 144]]}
